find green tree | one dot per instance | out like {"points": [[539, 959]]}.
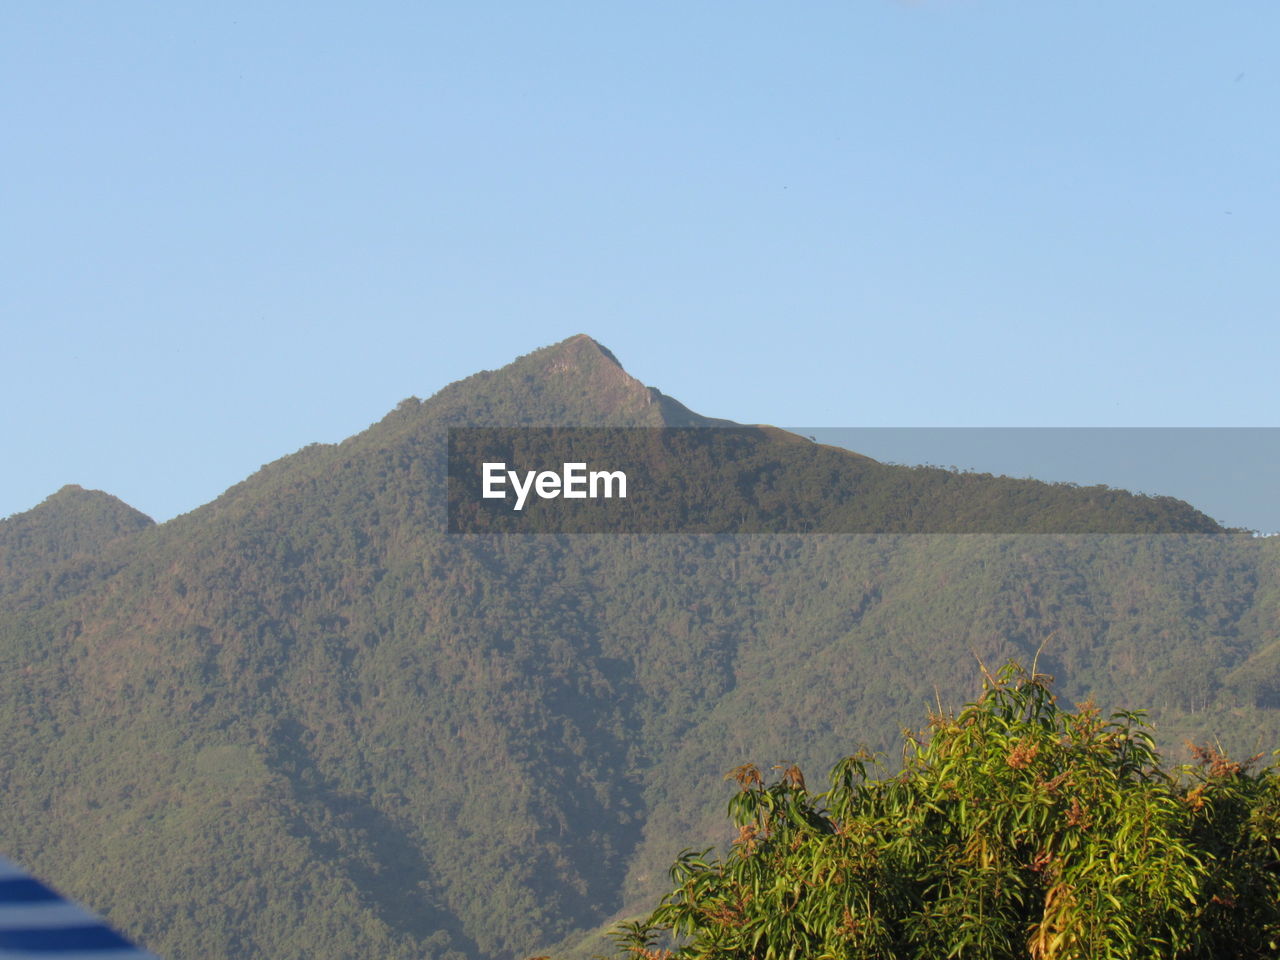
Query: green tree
{"points": [[1016, 828]]}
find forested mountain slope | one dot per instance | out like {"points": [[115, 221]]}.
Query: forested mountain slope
{"points": [[73, 524], [302, 721]]}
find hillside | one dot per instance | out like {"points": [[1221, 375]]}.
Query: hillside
{"points": [[303, 721], [72, 524]]}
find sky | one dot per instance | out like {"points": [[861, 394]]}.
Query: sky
{"points": [[230, 230]]}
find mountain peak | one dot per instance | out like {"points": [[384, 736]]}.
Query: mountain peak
{"points": [[594, 370], [93, 507], [72, 522], [576, 382], [582, 349]]}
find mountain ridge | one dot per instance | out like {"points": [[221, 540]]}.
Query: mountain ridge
{"points": [[301, 721], [575, 382]]}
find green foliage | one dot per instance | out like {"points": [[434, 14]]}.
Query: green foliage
{"points": [[1015, 828], [49, 547]]}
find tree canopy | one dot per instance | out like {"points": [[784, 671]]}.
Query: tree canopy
{"points": [[1015, 828]]}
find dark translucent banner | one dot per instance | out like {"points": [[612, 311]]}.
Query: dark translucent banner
{"points": [[758, 480], [1230, 473]]}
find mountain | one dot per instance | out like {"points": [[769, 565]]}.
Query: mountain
{"points": [[304, 721], [73, 523]]}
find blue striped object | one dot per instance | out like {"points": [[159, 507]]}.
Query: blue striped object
{"points": [[37, 924]]}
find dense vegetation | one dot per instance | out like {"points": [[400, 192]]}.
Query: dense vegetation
{"points": [[302, 721], [1013, 829], [73, 524]]}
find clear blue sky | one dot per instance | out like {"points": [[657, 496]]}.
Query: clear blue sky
{"points": [[228, 230]]}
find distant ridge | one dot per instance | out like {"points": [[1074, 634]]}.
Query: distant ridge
{"points": [[74, 522], [776, 481]]}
